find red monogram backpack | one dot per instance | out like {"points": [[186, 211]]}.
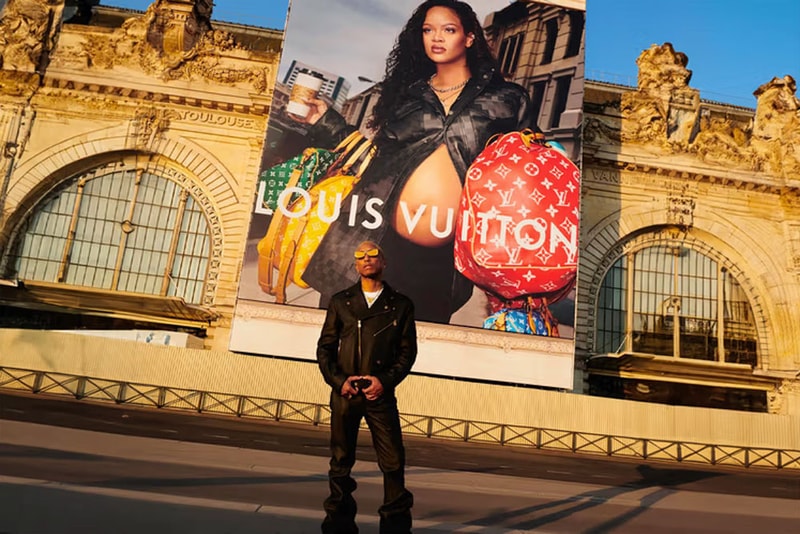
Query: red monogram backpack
{"points": [[517, 226]]}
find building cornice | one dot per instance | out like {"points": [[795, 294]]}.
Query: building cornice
{"points": [[687, 171], [154, 95]]}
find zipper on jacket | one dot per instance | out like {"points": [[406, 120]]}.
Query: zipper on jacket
{"points": [[393, 323], [358, 356]]}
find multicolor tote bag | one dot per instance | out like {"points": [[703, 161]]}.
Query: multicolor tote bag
{"points": [[303, 170]]}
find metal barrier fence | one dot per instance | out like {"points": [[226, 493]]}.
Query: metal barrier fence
{"points": [[165, 397]]}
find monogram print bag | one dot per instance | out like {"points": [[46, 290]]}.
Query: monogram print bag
{"points": [[517, 227]]}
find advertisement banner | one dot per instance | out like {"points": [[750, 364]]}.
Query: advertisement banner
{"points": [[448, 133]]}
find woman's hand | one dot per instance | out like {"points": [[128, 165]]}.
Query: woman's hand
{"points": [[318, 109]]}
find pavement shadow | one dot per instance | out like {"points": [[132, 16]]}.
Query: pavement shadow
{"points": [[145, 483], [18, 451], [28, 509], [663, 481]]}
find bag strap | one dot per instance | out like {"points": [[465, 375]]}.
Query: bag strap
{"points": [[367, 160], [271, 239], [308, 155], [297, 172], [349, 142], [528, 137], [366, 150], [541, 305], [288, 259]]}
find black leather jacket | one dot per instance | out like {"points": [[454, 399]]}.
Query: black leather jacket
{"points": [[487, 105], [380, 340]]}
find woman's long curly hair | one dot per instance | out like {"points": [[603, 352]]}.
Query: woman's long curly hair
{"points": [[408, 62]]}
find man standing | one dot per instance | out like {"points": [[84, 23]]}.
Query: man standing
{"points": [[367, 347]]}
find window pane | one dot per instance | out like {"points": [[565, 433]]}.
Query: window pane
{"points": [[193, 252], [697, 288], [653, 302], [576, 23], [147, 247], [551, 34], [93, 253], [611, 310], [740, 335], [560, 102], [102, 230]]}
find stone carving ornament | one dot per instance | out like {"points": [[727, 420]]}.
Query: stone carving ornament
{"points": [[776, 128], [598, 131], [27, 31], [174, 40], [662, 110], [644, 119], [174, 27], [662, 70], [721, 142], [665, 114], [149, 123]]}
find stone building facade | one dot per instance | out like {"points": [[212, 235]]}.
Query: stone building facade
{"points": [[540, 45], [689, 275], [131, 148]]}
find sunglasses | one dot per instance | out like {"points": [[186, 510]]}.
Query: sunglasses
{"points": [[372, 253]]}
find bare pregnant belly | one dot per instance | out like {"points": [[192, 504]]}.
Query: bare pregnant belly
{"points": [[426, 211]]}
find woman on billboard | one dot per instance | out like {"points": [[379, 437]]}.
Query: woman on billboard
{"points": [[442, 98]]}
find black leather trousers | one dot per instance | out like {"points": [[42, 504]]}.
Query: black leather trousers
{"points": [[384, 424]]}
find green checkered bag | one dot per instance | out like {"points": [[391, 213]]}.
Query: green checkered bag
{"points": [[309, 167]]}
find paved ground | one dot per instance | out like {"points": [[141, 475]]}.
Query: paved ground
{"points": [[270, 478]]}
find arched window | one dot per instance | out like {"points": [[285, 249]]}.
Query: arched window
{"points": [[674, 301], [119, 227]]}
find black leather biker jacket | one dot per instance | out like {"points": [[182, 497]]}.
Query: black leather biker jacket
{"points": [[380, 340]]}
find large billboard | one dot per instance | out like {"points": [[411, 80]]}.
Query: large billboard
{"points": [[452, 139]]}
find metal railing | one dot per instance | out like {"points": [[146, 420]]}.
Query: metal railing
{"points": [[166, 397]]}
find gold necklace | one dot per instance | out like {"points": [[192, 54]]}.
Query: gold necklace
{"points": [[447, 101]]}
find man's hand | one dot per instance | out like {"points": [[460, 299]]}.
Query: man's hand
{"points": [[348, 391], [375, 390]]}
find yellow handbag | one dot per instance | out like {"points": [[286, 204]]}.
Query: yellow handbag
{"points": [[294, 234]]}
